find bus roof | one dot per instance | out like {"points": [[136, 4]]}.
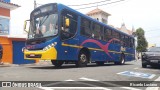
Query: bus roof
{"points": [[62, 6]]}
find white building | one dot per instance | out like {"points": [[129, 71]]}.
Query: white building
{"points": [[99, 15], [124, 29], [102, 16]]}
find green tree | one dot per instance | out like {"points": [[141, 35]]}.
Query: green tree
{"points": [[142, 43]]}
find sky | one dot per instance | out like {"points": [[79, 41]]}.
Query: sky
{"points": [[134, 13]]}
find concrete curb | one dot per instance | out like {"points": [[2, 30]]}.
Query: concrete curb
{"points": [[9, 65], [5, 65], [31, 64]]}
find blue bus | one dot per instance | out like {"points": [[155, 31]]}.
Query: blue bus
{"points": [[64, 35]]}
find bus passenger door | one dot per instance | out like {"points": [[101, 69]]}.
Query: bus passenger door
{"points": [[68, 35]]}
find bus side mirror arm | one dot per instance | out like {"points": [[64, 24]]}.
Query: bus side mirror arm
{"points": [[25, 26]]}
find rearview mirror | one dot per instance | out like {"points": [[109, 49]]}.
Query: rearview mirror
{"points": [[26, 25], [67, 22]]}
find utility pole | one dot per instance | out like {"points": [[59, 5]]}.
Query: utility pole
{"points": [[35, 4], [97, 5]]}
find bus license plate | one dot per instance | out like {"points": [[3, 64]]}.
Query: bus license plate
{"points": [[32, 55]]}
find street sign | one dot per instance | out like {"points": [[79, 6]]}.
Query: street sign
{"points": [[137, 74]]}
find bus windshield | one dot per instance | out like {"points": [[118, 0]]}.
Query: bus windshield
{"points": [[44, 25]]}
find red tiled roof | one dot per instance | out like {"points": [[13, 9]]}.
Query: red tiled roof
{"points": [[97, 10]]}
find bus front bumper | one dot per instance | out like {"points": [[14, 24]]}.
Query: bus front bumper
{"points": [[50, 54]]}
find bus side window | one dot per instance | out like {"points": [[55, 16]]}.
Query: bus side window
{"points": [[85, 27], [122, 40], [105, 35], [132, 42], [129, 41], [108, 34], [126, 41], [68, 24], [113, 36], [102, 32], [96, 31], [117, 36]]}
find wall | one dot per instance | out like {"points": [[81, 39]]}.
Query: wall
{"points": [[100, 16], [7, 0], [95, 16], [4, 21], [7, 49], [12, 51], [18, 55], [4, 12], [105, 17]]}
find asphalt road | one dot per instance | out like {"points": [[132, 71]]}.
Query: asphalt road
{"points": [[98, 76]]}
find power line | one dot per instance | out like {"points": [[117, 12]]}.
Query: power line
{"points": [[90, 3], [39, 4], [152, 30], [152, 36], [101, 4]]}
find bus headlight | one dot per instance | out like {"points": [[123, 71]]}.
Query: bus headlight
{"points": [[24, 49], [49, 46]]}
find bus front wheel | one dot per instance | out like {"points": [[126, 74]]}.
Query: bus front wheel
{"points": [[57, 63], [82, 59]]}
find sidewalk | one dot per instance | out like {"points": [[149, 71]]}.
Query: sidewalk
{"points": [[41, 63], [5, 64]]}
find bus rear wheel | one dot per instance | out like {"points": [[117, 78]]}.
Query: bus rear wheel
{"points": [[82, 59], [57, 63], [122, 60]]}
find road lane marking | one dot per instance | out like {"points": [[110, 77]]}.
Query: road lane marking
{"points": [[154, 88], [46, 88], [137, 74], [158, 79], [73, 88], [88, 79], [136, 68], [130, 88], [150, 69], [69, 80], [93, 87]]}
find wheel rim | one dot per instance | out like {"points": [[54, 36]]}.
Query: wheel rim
{"points": [[83, 58]]}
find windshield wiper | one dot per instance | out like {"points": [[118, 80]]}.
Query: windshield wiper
{"points": [[46, 17], [36, 41]]}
